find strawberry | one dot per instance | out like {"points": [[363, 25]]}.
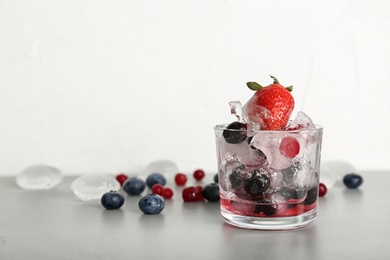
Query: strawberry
{"points": [[270, 106]]}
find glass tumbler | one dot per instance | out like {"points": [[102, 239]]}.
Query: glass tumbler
{"points": [[269, 179]]}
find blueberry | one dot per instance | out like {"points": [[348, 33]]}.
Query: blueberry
{"points": [[266, 209], [211, 192], [235, 179], [155, 178], [216, 178], [112, 200], [134, 186], [311, 196], [151, 204], [235, 133], [258, 183], [352, 180], [289, 193]]}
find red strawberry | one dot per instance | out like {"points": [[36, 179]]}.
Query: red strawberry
{"points": [[270, 106]]}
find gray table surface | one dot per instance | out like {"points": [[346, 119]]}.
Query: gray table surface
{"points": [[55, 224]]}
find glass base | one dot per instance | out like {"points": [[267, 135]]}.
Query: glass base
{"points": [[269, 223]]}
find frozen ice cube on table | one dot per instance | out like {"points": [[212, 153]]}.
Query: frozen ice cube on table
{"points": [[39, 177], [301, 121], [333, 171], [165, 167], [93, 186]]}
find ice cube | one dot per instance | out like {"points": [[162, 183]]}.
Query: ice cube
{"points": [[93, 186], [39, 177], [167, 168], [334, 171], [244, 154], [305, 175], [236, 109], [301, 121]]}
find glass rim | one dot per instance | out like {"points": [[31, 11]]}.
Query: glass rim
{"points": [[222, 127]]}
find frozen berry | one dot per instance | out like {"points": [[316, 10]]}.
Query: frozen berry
{"points": [[311, 196], [151, 204], [352, 180], [265, 209], [121, 178], [289, 147], [134, 186], [235, 179], [167, 193], [235, 133], [258, 183], [199, 175], [211, 192], [112, 200], [155, 178], [157, 189], [322, 190], [180, 179]]}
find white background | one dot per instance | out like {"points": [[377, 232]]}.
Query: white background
{"points": [[106, 86]]}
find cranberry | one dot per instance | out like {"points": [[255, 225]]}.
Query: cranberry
{"points": [[199, 193], [121, 178], [289, 147], [167, 193], [158, 189], [180, 179], [322, 190], [199, 175], [189, 194]]}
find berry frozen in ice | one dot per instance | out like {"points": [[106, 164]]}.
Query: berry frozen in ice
{"points": [[211, 192], [235, 179], [112, 200], [155, 178], [235, 133], [352, 180], [39, 177], [289, 147], [258, 183], [134, 186], [322, 190], [270, 106], [121, 178], [199, 174], [311, 196], [93, 186], [151, 204], [180, 179]]}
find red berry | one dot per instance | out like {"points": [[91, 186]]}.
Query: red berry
{"points": [[189, 194], [121, 178], [289, 147], [199, 175], [322, 190], [158, 189], [180, 179], [270, 106], [167, 193], [198, 193]]}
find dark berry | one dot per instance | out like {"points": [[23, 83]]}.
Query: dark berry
{"points": [[180, 179], [352, 180], [289, 173], [151, 204], [235, 179], [167, 193], [216, 178], [258, 183], [211, 192], [235, 133], [112, 200], [198, 193], [121, 178], [311, 196], [265, 209], [199, 175], [134, 186], [155, 178], [157, 189], [322, 190]]}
